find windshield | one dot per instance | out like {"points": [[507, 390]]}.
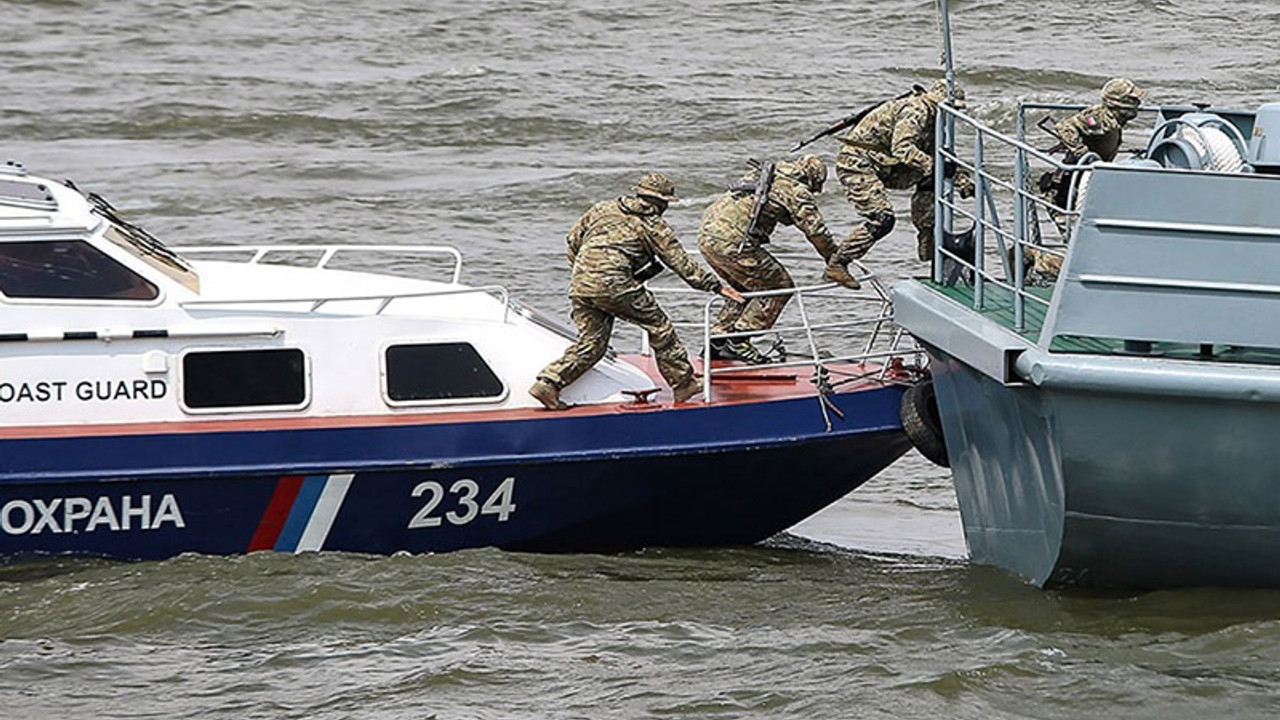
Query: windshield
{"points": [[144, 245]]}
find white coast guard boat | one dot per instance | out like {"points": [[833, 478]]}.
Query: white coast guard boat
{"points": [[214, 401]]}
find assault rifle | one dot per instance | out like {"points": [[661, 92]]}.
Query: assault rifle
{"points": [[1046, 124], [854, 119], [763, 183]]}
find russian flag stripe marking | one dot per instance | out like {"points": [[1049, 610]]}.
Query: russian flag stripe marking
{"points": [[326, 510], [264, 538], [300, 515]]}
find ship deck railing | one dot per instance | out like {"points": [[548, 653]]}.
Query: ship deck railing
{"points": [[1004, 170], [824, 326], [323, 257], [994, 283]]}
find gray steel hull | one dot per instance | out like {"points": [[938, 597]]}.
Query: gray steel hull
{"points": [[1093, 485], [1118, 429]]}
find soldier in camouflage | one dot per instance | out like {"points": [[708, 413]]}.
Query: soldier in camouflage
{"points": [[893, 147], [737, 252], [608, 245], [1097, 129]]}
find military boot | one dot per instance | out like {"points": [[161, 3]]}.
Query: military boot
{"points": [[742, 349], [547, 394], [717, 349], [687, 389], [838, 272]]}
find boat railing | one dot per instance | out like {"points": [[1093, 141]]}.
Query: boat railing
{"points": [[382, 300], [1001, 168], [1007, 171], [321, 256], [823, 326]]}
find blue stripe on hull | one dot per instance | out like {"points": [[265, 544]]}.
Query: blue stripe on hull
{"points": [[602, 483], [699, 499], [303, 506]]}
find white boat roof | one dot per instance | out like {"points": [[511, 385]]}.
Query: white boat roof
{"points": [[56, 240]]}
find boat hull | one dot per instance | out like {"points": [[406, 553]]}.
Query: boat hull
{"points": [[1099, 484], [555, 482]]}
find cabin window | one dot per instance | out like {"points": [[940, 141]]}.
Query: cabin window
{"points": [[68, 269], [146, 248], [439, 371], [244, 378]]}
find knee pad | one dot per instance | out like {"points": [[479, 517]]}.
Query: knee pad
{"points": [[880, 224]]}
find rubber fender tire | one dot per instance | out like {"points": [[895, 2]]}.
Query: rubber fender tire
{"points": [[920, 420]]}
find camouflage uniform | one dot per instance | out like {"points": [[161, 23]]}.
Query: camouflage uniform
{"points": [[606, 247], [893, 147], [742, 259], [1096, 129]]}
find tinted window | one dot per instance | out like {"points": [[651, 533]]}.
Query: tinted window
{"points": [[439, 372], [243, 378], [71, 269]]}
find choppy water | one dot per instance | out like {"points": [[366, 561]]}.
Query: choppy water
{"points": [[490, 126]]}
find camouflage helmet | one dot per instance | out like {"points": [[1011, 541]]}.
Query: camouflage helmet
{"points": [[939, 91], [656, 185], [1122, 94], [811, 170]]}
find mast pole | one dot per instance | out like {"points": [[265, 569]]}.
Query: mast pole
{"points": [[944, 15], [944, 145]]}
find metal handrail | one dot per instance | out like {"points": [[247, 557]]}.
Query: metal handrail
{"points": [[327, 252], [879, 345], [983, 211], [325, 255], [383, 299]]}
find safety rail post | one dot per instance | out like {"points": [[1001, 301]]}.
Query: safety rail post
{"points": [[939, 223], [818, 368], [979, 218], [806, 324], [885, 313], [706, 350], [1019, 221], [808, 329]]}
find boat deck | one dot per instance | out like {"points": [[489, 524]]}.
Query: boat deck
{"points": [[997, 306]]}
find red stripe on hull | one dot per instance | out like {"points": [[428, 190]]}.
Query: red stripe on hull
{"points": [[264, 538]]}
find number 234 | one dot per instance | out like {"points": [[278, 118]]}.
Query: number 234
{"points": [[465, 508]]}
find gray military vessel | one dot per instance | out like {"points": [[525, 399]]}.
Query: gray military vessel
{"points": [[1112, 425]]}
